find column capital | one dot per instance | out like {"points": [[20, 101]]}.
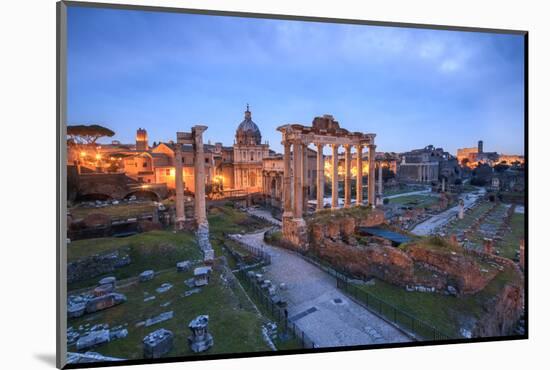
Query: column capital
{"points": [[347, 147], [372, 146], [335, 146]]}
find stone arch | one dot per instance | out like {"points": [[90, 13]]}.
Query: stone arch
{"points": [[143, 194]]}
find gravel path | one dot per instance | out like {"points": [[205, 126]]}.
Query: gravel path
{"points": [[310, 295]]}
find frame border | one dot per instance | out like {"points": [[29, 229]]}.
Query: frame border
{"points": [[61, 190]]}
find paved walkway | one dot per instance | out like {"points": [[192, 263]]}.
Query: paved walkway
{"points": [[434, 222], [310, 295], [265, 215]]}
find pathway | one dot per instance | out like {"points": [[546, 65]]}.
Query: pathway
{"points": [[311, 295], [434, 222], [264, 215]]}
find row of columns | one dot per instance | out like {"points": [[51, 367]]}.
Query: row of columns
{"points": [[200, 202], [295, 207], [426, 173]]}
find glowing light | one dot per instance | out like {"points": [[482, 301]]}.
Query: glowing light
{"points": [[82, 154], [98, 156]]}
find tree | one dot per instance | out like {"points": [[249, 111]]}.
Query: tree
{"points": [[87, 134]]}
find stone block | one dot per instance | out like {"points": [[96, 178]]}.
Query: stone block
{"points": [[92, 339], [183, 266], [158, 343], [146, 275], [105, 301]]}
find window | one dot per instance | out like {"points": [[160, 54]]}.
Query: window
{"points": [[205, 160], [144, 164], [167, 172], [251, 156]]}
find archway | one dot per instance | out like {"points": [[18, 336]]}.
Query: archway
{"points": [[143, 195]]}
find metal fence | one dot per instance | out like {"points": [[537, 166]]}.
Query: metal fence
{"points": [[257, 252], [278, 314], [402, 319]]}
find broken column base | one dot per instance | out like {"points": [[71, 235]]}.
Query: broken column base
{"points": [[295, 233], [202, 345]]}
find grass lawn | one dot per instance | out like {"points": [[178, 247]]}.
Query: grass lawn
{"points": [[402, 190], [469, 217], [445, 313], [234, 323], [157, 250], [510, 241], [416, 201], [122, 210]]}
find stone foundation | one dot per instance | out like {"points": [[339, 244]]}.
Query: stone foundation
{"points": [[295, 233]]}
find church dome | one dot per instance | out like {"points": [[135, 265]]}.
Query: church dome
{"points": [[248, 132]]}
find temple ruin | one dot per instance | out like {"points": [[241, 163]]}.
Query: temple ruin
{"points": [[195, 139], [325, 130]]}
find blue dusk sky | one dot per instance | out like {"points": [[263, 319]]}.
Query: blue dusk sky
{"points": [[167, 72]]}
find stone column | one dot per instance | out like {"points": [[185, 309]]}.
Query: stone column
{"points": [[334, 176], [359, 179], [298, 160], [180, 196], [347, 178], [320, 177], [380, 180], [443, 184], [200, 202], [287, 202], [305, 179], [371, 195]]}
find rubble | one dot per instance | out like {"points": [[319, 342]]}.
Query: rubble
{"points": [[187, 293], [164, 288], [202, 275], [158, 343], [87, 357], [203, 239], [94, 338], [146, 276], [159, 318], [183, 266], [105, 301], [200, 339]]}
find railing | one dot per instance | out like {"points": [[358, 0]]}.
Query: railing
{"points": [[402, 319], [255, 251], [277, 313]]}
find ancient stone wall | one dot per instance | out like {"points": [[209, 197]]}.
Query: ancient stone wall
{"points": [[96, 265], [501, 313]]}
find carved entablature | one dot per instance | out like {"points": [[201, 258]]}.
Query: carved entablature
{"points": [[184, 138], [324, 130]]}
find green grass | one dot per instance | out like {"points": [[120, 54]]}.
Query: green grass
{"points": [[234, 321], [234, 324], [157, 250], [510, 241], [415, 201], [469, 217], [115, 211], [445, 313], [402, 190]]}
